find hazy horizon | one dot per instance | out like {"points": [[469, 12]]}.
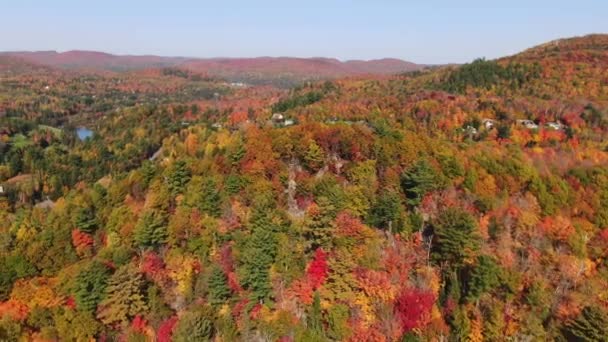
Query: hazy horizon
{"points": [[436, 32]]}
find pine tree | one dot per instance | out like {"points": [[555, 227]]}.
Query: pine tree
{"points": [[148, 170], [484, 277], [179, 176], [85, 220], [418, 181], [319, 228], [151, 229], [210, 198], [315, 318], [90, 285], [456, 238], [238, 152], [388, 212], [259, 255], [461, 324], [124, 297], [196, 325], [219, 292], [590, 325]]}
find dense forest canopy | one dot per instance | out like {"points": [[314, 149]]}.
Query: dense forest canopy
{"points": [[456, 203]]}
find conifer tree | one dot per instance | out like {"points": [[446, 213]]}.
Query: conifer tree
{"points": [[219, 292], [210, 198], [259, 255], [90, 285], [195, 325], [148, 171], [590, 325], [484, 277], [85, 220], [179, 175], [315, 318], [151, 229], [388, 211], [124, 297], [418, 181], [238, 152], [456, 238], [319, 227]]}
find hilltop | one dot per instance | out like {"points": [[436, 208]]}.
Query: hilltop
{"points": [[92, 60], [251, 70]]}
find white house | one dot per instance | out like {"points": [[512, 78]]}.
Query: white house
{"points": [[488, 123], [554, 125], [529, 124], [277, 117]]}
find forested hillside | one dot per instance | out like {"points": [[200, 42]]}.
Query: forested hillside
{"points": [[461, 203]]}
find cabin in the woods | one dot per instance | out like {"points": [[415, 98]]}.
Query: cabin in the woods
{"points": [[554, 125], [488, 123], [529, 124], [279, 120], [46, 204]]}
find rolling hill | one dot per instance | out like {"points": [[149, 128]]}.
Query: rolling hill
{"points": [[254, 70]]}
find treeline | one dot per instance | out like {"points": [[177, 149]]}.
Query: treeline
{"points": [[486, 74]]}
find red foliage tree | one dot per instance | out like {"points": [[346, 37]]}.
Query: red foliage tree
{"points": [[165, 329], [14, 309], [347, 225], [139, 324], [317, 270], [152, 265], [413, 308], [81, 241]]}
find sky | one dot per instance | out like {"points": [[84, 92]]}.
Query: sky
{"points": [[430, 32]]}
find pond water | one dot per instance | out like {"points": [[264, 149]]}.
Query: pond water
{"points": [[84, 133]]}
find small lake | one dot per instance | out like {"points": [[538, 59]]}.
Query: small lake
{"points": [[84, 133]]}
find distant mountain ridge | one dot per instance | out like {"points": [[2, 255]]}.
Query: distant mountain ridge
{"points": [[223, 67], [95, 60]]}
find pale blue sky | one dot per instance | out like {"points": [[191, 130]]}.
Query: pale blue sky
{"points": [[432, 31]]}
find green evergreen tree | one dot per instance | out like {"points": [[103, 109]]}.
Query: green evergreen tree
{"points": [[219, 292], [338, 327], [590, 326], [259, 254], [148, 171], [319, 228], [90, 285], [418, 181], [238, 152], [456, 238], [196, 325], [461, 324], [85, 220], [388, 211], [210, 202], [12, 268], [151, 229], [315, 317], [484, 277], [503, 131], [179, 176], [124, 297]]}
